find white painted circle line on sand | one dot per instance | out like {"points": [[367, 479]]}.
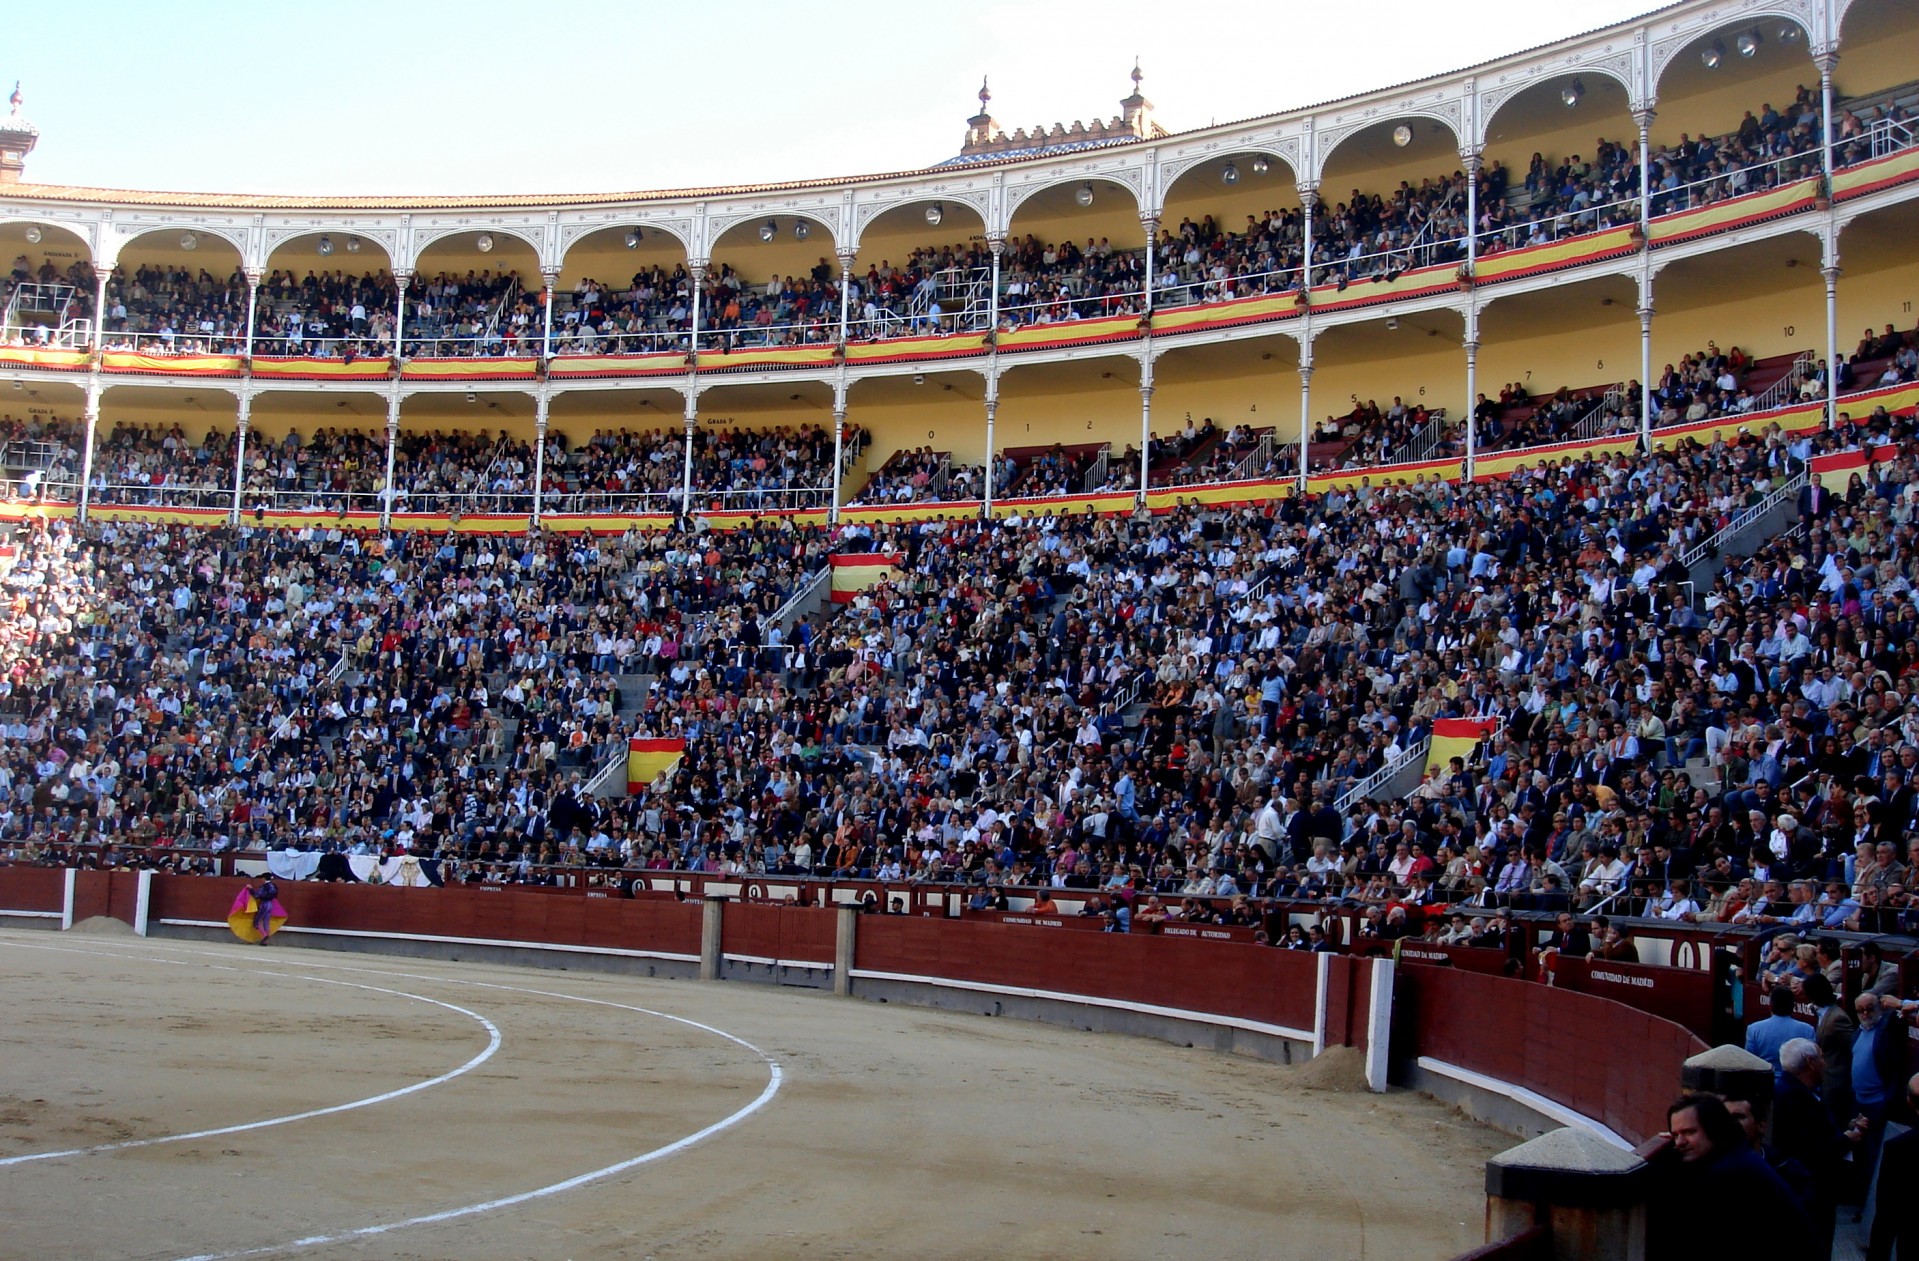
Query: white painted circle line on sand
{"points": [[775, 1076], [492, 1045]]}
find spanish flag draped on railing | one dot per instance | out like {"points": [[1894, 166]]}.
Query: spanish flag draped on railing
{"points": [[647, 760], [855, 573], [1457, 737]]}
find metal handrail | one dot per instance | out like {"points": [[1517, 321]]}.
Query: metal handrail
{"points": [[1366, 786], [1743, 519]]}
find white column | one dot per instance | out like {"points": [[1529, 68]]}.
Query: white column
{"points": [[686, 466], [1645, 363], [1308, 198], [1643, 118], [253, 306], [541, 404], [1829, 265], [846, 302], [1145, 419], [94, 387], [392, 451], [402, 279], [1472, 157], [1151, 223], [100, 277], [839, 430], [550, 278], [240, 452], [992, 412], [998, 245], [1305, 409], [696, 268], [1472, 387]]}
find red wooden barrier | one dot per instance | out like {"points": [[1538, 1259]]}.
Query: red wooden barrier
{"points": [[32, 888], [768, 930], [1603, 1059], [1255, 983]]}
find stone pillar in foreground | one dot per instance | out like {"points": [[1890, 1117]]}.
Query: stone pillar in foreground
{"points": [[1587, 1194]]}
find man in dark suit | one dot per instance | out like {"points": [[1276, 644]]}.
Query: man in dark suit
{"points": [[1815, 501], [1895, 1217], [1803, 1130]]}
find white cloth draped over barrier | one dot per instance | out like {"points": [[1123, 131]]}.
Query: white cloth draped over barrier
{"points": [[406, 870]]}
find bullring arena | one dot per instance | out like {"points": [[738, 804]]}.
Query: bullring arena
{"points": [[487, 1111], [1340, 684]]}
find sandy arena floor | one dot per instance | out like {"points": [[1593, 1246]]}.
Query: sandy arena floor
{"points": [[485, 1100]]}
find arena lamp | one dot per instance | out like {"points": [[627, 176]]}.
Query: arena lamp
{"points": [[934, 214], [768, 230], [632, 239], [1261, 166], [325, 246], [1748, 43], [485, 243], [1713, 54], [189, 241], [1788, 33], [1571, 93], [353, 244], [1085, 195], [802, 229], [1402, 135], [1229, 174], [33, 236]]}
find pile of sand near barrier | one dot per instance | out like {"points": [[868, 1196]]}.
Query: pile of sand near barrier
{"points": [[103, 926], [1338, 1069]]}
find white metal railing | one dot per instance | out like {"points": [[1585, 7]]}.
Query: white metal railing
{"points": [[1254, 462], [182, 341], [1726, 185], [1421, 248], [1887, 136], [805, 594], [1096, 469], [1547, 224], [162, 494], [1063, 305], [35, 453], [1786, 388], [1609, 406], [1744, 519], [1421, 444], [1379, 778]]}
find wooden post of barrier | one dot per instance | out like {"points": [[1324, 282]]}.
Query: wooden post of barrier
{"points": [[1588, 1195], [846, 928], [710, 911]]}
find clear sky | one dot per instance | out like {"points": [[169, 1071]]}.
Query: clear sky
{"points": [[483, 96]]}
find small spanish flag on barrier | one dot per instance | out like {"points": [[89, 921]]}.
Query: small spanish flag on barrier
{"points": [[1457, 737], [855, 573], [647, 760]]}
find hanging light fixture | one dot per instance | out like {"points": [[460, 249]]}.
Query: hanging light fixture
{"points": [[632, 238], [1713, 54], [189, 240], [353, 244], [768, 230], [1261, 165], [1571, 93], [1229, 174], [1788, 32], [33, 234], [801, 229], [1748, 42], [1402, 135], [325, 246], [485, 242], [1085, 195], [934, 214]]}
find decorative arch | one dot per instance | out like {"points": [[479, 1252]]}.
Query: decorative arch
{"points": [[383, 239], [236, 237], [679, 227], [827, 218], [1132, 179], [1807, 15], [78, 232], [867, 213], [1450, 115], [425, 236], [1174, 169], [1618, 67]]}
